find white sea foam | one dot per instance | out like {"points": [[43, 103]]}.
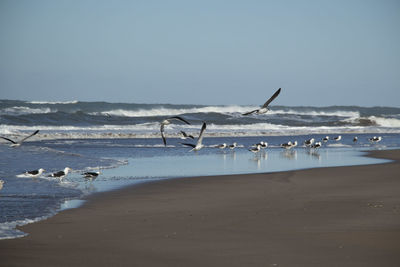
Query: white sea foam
{"points": [[220, 109], [149, 130], [338, 113], [8, 229], [385, 122], [378, 121], [174, 112]]}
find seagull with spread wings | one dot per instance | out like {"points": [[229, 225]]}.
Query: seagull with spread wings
{"points": [[15, 143], [264, 108], [167, 121], [199, 145]]}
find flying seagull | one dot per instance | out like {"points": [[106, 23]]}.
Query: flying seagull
{"points": [[264, 107], [199, 144], [14, 143], [167, 121]]}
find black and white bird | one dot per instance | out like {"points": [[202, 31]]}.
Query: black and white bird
{"points": [[1, 184], [255, 149], [264, 108], [262, 144], [91, 175], [186, 136], [18, 143], [289, 144], [167, 121], [316, 145], [355, 139], [199, 145], [34, 173], [221, 146], [325, 139], [61, 174], [375, 139], [309, 142], [337, 138], [233, 146]]}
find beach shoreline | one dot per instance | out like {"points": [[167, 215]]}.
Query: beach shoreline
{"points": [[334, 216]]}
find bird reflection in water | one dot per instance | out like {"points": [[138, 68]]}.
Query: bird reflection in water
{"points": [[289, 154], [314, 153]]}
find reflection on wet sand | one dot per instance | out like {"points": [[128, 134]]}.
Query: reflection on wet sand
{"points": [[314, 153], [289, 154]]}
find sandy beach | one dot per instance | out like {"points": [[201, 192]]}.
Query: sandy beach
{"points": [[338, 216]]}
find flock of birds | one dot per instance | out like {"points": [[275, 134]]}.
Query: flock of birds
{"points": [[59, 174], [310, 143], [256, 147]]}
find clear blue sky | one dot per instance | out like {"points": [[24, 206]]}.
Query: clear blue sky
{"points": [[201, 52]]}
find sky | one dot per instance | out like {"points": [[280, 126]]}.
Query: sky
{"points": [[321, 53]]}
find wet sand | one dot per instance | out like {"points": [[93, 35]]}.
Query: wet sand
{"points": [[339, 216]]}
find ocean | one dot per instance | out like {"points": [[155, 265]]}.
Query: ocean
{"points": [[122, 141]]}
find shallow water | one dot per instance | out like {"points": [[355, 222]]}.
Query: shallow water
{"points": [[125, 162]]}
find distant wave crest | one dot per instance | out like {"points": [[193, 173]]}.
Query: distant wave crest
{"points": [[173, 111], [219, 109], [53, 102]]}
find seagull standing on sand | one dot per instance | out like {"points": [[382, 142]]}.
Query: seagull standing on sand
{"points": [[34, 173], [233, 146], [91, 175], [337, 138], [199, 145], [15, 143], [221, 146], [316, 145], [255, 149], [355, 139], [375, 139], [167, 122], [262, 144], [309, 142], [61, 174], [289, 145], [264, 108], [1, 184]]}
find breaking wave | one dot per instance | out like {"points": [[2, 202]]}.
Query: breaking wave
{"points": [[102, 119]]}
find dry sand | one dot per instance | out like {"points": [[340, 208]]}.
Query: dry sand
{"points": [[341, 216]]}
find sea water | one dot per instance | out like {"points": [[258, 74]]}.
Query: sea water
{"points": [[123, 142]]}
